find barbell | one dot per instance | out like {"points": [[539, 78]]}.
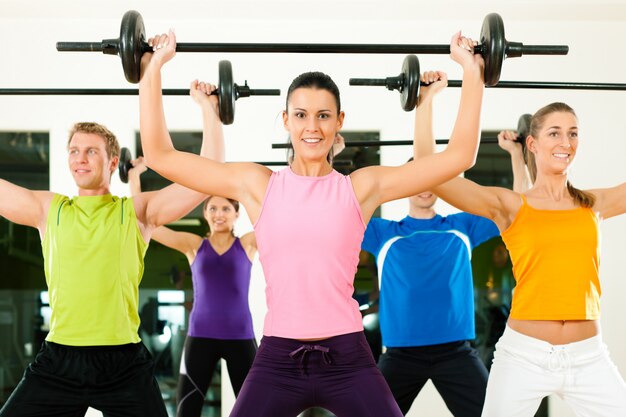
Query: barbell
{"points": [[227, 91], [408, 83], [125, 164], [523, 129], [131, 45]]}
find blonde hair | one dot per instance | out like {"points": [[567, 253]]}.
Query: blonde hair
{"points": [[111, 144], [582, 198]]}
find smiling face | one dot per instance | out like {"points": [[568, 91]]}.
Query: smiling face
{"points": [[313, 116], [554, 141], [425, 200], [221, 214], [312, 120], [89, 163]]}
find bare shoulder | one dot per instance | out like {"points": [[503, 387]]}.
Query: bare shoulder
{"points": [[609, 202], [366, 178], [252, 168], [45, 200], [510, 203], [140, 201], [249, 173], [248, 240], [255, 179], [511, 200], [44, 197]]}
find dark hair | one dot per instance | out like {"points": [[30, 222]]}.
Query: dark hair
{"points": [[315, 80], [318, 81], [232, 202], [582, 198]]}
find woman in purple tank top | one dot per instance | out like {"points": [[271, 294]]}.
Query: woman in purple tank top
{"points": [[309, 221], [220, 323]]}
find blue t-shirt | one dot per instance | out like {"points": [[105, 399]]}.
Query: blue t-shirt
{"points": [[425, 275]]}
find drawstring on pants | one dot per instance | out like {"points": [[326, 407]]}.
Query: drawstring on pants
{"points": [[300, 354], [559, 359]]}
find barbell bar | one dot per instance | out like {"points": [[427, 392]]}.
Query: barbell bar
{"points": [[131, 45], [382, 143], [227, 91], [523, 130], [125, 164], [408, 83]]}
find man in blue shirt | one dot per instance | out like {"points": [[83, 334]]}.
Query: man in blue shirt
{"points": [[426, 307]]}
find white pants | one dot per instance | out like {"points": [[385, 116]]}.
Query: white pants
{"points": [[526, 369]]}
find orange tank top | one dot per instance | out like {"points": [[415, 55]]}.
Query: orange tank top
{"points": [[556, 260]]}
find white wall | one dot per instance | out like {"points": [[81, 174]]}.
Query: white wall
{"points": [[30, 29]]}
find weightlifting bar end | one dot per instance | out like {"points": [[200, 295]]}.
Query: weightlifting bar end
{"points": [[266, 92], [79, 46], [545, 49], [368, 81]]}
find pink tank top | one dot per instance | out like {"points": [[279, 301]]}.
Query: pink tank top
{"points": [[309, 236]]}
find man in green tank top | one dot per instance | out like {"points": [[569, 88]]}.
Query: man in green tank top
{"points": [[94, 246]]}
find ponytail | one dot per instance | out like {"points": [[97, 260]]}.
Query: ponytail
{"points": [[582, 198]]}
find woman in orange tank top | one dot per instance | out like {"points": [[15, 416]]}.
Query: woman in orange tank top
{"points": [[552, 343]]}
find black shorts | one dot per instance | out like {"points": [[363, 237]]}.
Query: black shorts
{"points": [[66, 380], [454, 368]]}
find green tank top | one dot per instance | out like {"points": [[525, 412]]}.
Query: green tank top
{"points": [[93, 253]]}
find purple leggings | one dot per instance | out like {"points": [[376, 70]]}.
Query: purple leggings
{"points": [[338, 374]]}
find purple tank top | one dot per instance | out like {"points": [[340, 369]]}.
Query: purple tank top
{"points": [[220, 293]]}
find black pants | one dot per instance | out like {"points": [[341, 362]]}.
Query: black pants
{"points": [[455, 369], [63, 381], [200, 357]]}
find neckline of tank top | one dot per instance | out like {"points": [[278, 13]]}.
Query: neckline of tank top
{"points": [[93, 200], [226, 251], [310, 178], [554, 210]]}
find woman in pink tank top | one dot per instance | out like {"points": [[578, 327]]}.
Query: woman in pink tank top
{"points": [[552, 343], [309, 222]]}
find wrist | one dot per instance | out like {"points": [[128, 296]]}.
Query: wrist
{"points": [[210, 113], [426, 100], [472, 70]]}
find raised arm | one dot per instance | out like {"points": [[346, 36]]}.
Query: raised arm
{"points": [[462, 193], [507, 140], [390, 183], [186, 243], [157, 208], [239, 181], [423, 137], [23, 206], [212, 128]]}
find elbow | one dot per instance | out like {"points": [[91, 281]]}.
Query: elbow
{"points": [[466, 160], [465, 152], [470, 160], [153, 158]]}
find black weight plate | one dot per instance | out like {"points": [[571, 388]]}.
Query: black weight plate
{"points": [[132, 38]]}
